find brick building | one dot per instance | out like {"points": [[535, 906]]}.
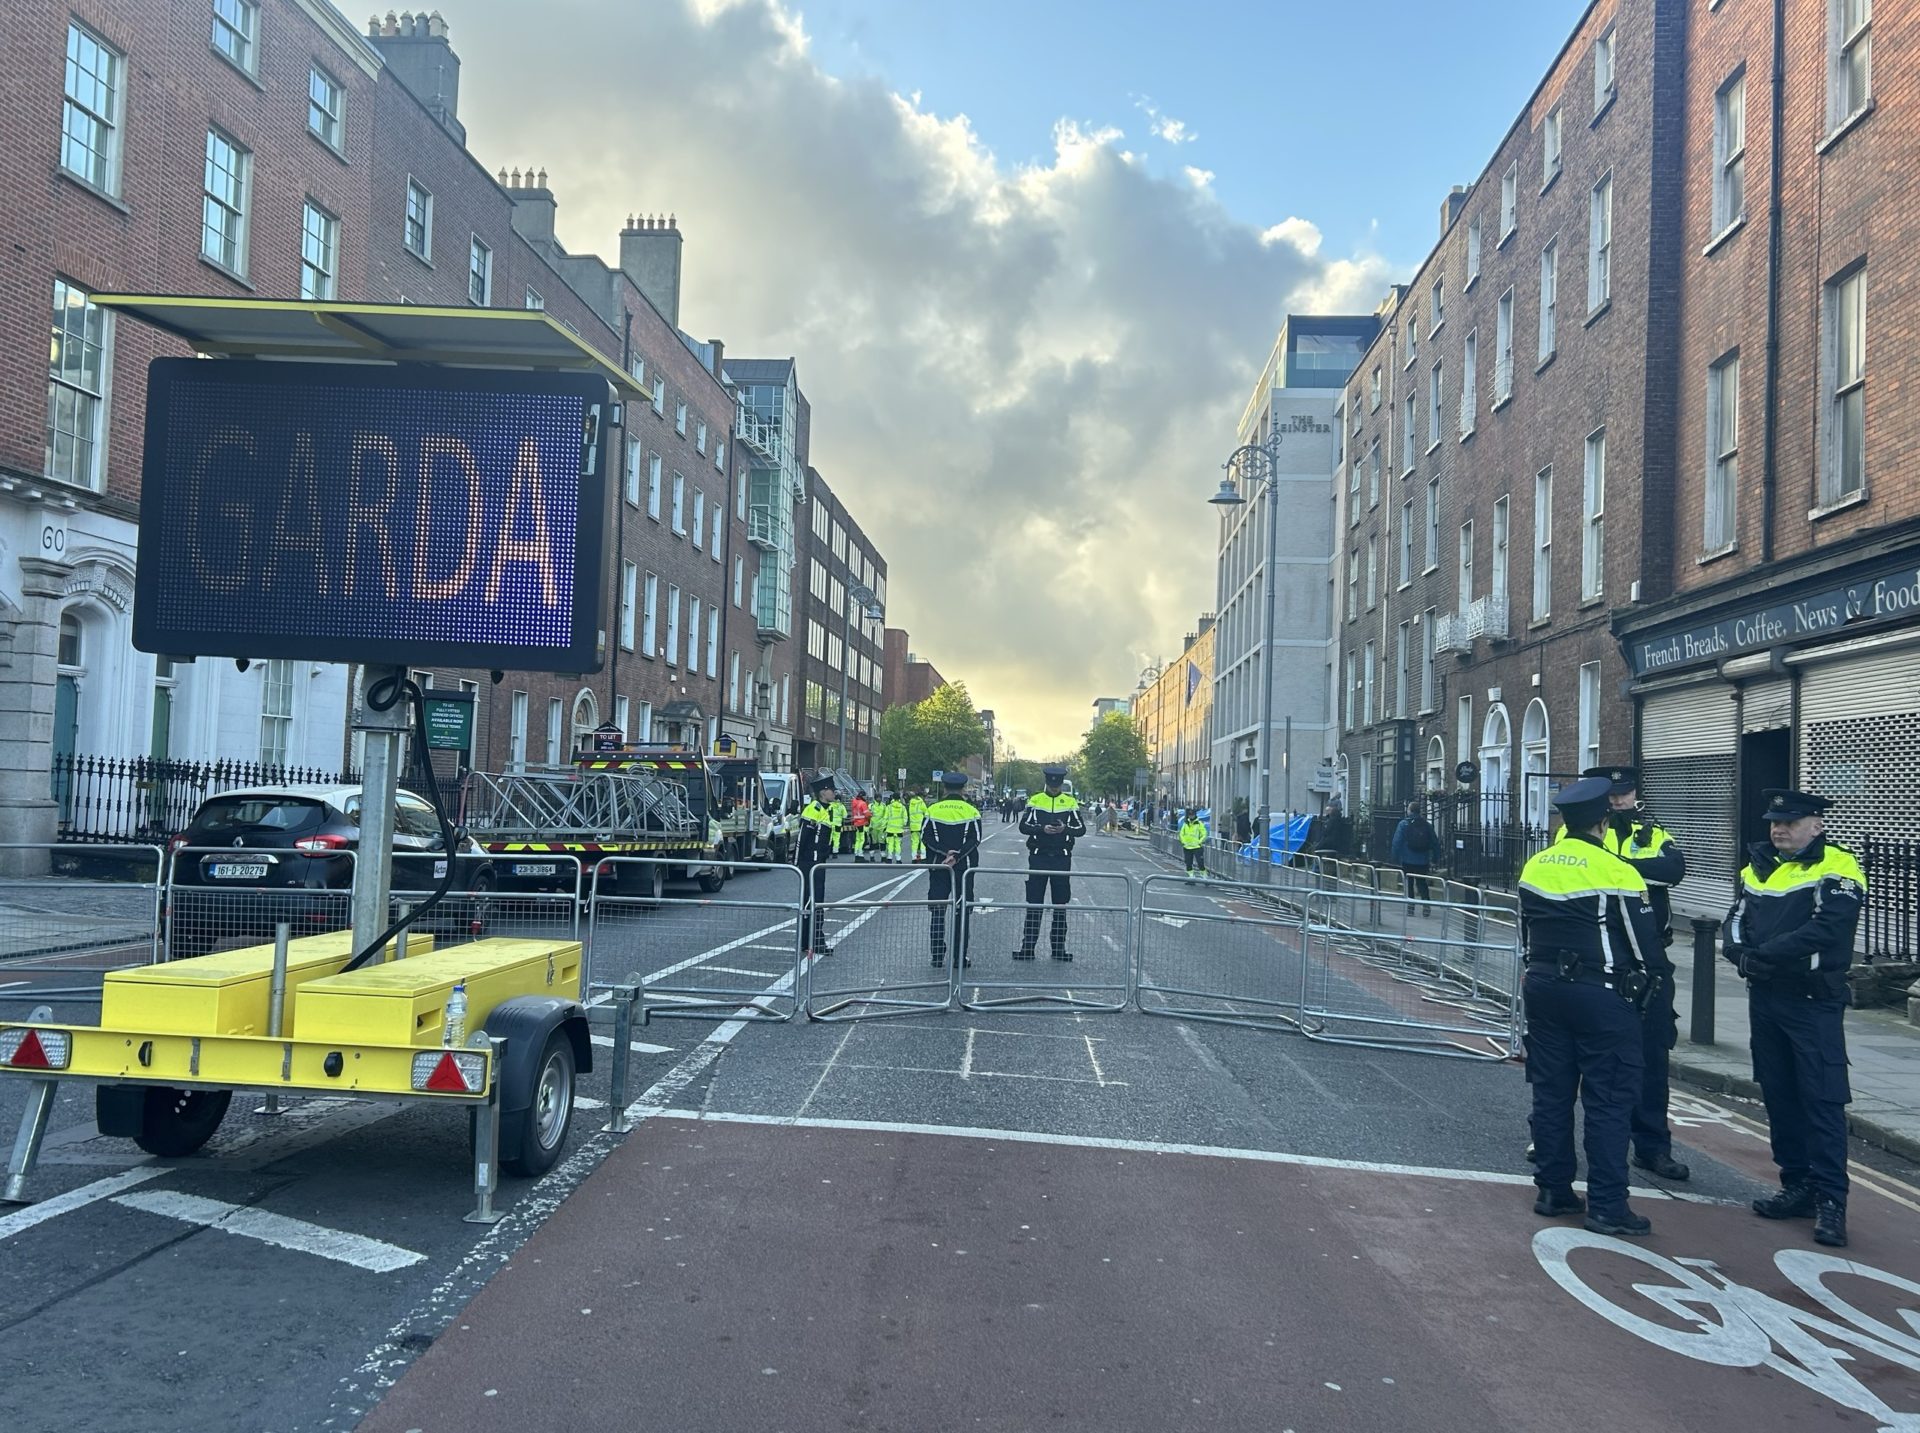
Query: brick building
{"points": [[1783, 646], [1173, 714], [842, 666], [907, 680], [1509, 446]]}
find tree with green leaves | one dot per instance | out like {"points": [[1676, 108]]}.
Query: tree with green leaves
{"points": [[1112, 751], [938, 734], [1019, 774]]}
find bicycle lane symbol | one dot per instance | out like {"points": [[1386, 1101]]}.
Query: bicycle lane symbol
{"points": [[1740, 1327]]}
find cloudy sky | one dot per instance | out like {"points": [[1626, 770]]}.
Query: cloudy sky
{"points": [[1029, 258]]}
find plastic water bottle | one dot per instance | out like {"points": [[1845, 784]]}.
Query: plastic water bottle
{"points": [[456, 1033]]}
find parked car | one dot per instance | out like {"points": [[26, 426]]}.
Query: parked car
{"points": [[254, 857]]}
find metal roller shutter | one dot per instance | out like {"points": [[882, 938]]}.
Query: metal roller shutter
{"points": [[1766, 706], [1860, 743], [1687, 742]]}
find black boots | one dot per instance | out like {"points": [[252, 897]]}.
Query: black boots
{"points": [[1621, 1221], [1553, 1203], [1793, 1202], [1664, 1165], [1830, 1223]]}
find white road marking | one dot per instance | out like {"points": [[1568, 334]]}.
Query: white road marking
{"points": [[23, 1219], [639, 1047], [374, 1255], [966, 1061], [10, 984], [1175, 921], [1131, 1146], [1099, 1074], [737, 970], [587, 1102]]}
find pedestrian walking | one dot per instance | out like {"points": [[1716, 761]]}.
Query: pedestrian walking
{"points": [[1051, 823], [1193, 842], [1790, 934], [951, 837], [1634, 836], [814, 851], [1413, 844], [1587, 927]]}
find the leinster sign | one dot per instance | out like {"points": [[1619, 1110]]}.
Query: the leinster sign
{"points": [[343, 512]]}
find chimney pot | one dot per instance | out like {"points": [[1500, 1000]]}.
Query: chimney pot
{"points": [[502, 177], [543, 178]]}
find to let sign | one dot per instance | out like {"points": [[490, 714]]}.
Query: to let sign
{"points": [[346, 512]]}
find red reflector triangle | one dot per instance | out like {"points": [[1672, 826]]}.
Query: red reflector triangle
{"points": [[31, 1056], [446, 1076]]}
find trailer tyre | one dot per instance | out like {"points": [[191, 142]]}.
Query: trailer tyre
{"points": [[712, 881], [544, 1123], [175, 1122]]}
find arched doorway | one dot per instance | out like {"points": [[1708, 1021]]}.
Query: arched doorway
{"points": [[586, 716], [1535, 762], [1496, 754], [1436, 766]]}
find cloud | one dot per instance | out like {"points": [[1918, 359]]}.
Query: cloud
{"points": [[1023, 375], [1164, 126]]}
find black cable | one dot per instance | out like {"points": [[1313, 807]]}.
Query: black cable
{"points": [[380, 697]]}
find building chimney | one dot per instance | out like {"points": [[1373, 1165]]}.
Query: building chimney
{"points": [[650, 257], [534, 206], [416, 49], [1451, 206]]}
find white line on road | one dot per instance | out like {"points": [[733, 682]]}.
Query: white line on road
{"points": [[639, 1047], [587, 1102], [374, 1255], [10, 984], [738, 970], [24, 1219]]}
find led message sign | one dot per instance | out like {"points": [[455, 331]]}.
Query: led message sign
{"points": [[401, 516]]}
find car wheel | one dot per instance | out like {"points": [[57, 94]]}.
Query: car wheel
{"points": [[549, 1113], [712, 881], [176, 1122]]}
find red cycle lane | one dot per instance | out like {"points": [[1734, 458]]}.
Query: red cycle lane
{"points": [[743, 1276]]}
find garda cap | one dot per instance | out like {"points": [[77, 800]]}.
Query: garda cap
{"points": [[1054, 773], [1584, 802], [954, 780], [821, 783], [1622, 778], [1792, 805]]}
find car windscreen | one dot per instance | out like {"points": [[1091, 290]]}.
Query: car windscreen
{"points": [[228, 816]]}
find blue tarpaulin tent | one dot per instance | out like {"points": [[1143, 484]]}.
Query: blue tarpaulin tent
{"points": [[1285, 836]]}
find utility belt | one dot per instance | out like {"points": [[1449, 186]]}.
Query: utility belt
{"points": [[1569, 965]]}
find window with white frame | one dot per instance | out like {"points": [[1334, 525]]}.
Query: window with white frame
{"points": [[739, 579], [699, 519], [326, 108], [1433, 525], [1463, 728], [1550, 158], [629, 597], [556, 731], [90, 115], [679, 505], [1373, 571], [533, 300], [693, 633], [224, 204], [479, 273], [1463, 572], [1436, 305], [740, 485], [1509, 201], [517, 733], [1413, 337], [1604, 87], [1373, 473], [720, 454], [713, 537], [1593, 517], [1434, 420], [236, 31], [1367, 664], [418, 235], [276, 712], [1503, 348], [80, 365], [1723, 452], [1353, 584], [700, 437], [1402, 668], [632, 484], [660, 396], [1406, 542], [1349, 690], [1473, 251], [1469, 381], [1373, 390], [1542, 543], [1428, 692], [653, 486], [672, 646], [319, 252], [1849, 59], [1589, 715], [680, 419], [1844, 469], [1600, 244], [733, 681], [622, 711], [650, 617], [1730, 152], [1497, 585], [713, 644], [1409, 430], [1549, 297]]}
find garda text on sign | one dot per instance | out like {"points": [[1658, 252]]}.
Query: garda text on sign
{"points": [[344, 512]]}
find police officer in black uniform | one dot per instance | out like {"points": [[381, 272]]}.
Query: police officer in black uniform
{"points": [[817, 837], [1790, 933], [951, 838], [1588, 929], [1650, 849], [1051, 823]]}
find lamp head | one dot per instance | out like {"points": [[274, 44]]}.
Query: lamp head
{"points": [[1228, 496]]}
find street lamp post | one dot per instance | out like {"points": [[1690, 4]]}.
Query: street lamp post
{"points": [[862, 597], [1254, 464]]}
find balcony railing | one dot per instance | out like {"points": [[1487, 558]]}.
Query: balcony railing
{"points": [[1450, 633], [1487, 617], [763, 527], [762, 434]]}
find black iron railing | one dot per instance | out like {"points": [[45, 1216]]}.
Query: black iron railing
{"points": [[1892, 917], [141, 799]]}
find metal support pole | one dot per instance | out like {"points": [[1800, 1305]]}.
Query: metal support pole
{"points": [[1706, 937], [846, 667], [486, 1144], [1266, 676], [26, 1144], [623, 1000], [380, 783], [277, 1003]]}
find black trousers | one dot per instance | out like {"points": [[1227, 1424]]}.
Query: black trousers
{"points": [[1196, 857], [1581, 1040], [815, 879], [944, 914], [1800, 1060], [1651, 1134], [1059, 878]]}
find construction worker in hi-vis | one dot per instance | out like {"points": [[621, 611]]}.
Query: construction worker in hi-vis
{"points": [[892, 815], [916, 819]]}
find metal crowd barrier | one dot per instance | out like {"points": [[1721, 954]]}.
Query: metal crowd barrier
{"points": [[731, 955], [226, 906], [881, 961], [1222, 951], [1098, 935], [1409, 973], [70, 912], [462, 916]]}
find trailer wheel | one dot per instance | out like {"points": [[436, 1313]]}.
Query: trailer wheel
{"points": [[175, 1122], [656, 879], [549, 1113], [711, 881]]}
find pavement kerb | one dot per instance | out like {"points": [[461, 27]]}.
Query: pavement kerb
{"points": [[1715, 1079]]}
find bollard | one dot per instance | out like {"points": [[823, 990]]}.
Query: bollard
{"points": [[277, 1003], [1706, 934]]}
